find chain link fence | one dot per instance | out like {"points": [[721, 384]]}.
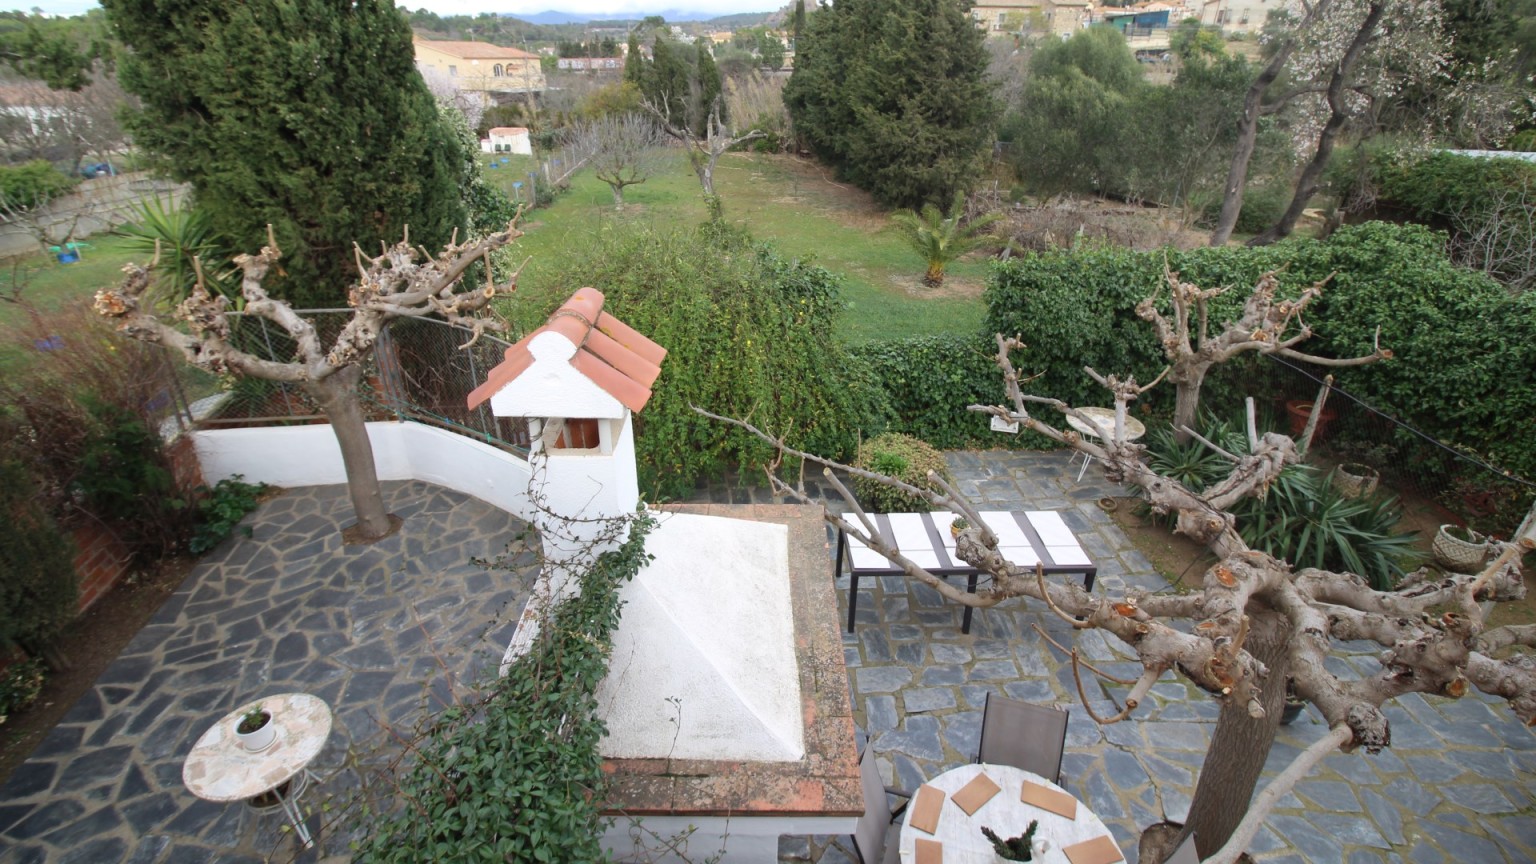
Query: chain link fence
{"points": [[420, 370]]}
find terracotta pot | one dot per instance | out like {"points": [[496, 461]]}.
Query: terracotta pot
{"points": [[1300, 410]]}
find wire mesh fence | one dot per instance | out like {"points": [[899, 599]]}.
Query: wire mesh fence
{"points": [[1433, 477], [421, 369]]}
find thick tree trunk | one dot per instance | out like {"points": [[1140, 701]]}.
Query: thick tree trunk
{"points": [[1312, 175], [618, 196], [338, 398], [1242, 152], [1186, 405], [1241, 743]]}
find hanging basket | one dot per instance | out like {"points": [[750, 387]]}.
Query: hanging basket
{"points": [[1354, 480], [1459, 554]]}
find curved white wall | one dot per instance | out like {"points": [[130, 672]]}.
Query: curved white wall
{"points": [[310, 456]]}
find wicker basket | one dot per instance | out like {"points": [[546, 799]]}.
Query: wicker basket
{"points": [[1355, 480], [1458, 554]]}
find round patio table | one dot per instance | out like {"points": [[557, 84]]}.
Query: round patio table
{"points": [[1103, 428], [1004, 813], [219, 769]]}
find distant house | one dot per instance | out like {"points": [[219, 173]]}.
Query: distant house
{"points": [[507, 139], [1239, 16], [590, 64], [481, 66], [1007, 17]]}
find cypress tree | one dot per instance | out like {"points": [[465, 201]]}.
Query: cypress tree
{"points": [[634, 62], [893, 94], [708, 76], [667, 78], [305, 114]]}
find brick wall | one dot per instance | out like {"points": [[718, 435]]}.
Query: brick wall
{"points": [[100, 560]]}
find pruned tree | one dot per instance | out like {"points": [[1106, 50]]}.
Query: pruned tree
{"points": [[1266, 326], [704, 151], [401, 282], [625, 150], [43, 202], [1254, 625]]}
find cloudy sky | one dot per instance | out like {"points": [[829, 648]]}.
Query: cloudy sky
{"points": [[595, 8]]}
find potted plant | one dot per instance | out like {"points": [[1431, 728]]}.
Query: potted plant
{"points": [[1356, 479], [255, 730], [1460, 549], [1294, 705], [960, 524], [1020, 848], [1300, 411]]}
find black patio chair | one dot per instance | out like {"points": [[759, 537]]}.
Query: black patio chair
{"points": [[873, 835], [1031, 737]]}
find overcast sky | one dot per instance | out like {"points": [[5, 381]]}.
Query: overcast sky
{"points": [[595, 8]]}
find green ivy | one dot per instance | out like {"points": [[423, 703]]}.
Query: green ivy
{"points": [[749, 334], [37, 572], [514, 774]]}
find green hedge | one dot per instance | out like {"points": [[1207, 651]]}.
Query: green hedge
{"points": [[514, 775], [1463, 346], [749, 334], [928, 382]]}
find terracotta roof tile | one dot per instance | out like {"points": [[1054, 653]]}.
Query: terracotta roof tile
{"points": [[613, 355]]}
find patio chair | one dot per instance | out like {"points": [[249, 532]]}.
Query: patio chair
{"points": [[873, 836], [1186, 853], [1031, 737]]}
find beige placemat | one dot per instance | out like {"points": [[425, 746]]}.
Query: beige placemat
{"points": [[1046, 798], [976, 793], [1099, 850], [925, 809], [928, 851]]}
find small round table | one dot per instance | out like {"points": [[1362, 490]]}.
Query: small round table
{"points": [[1103, 428], [219, 769], [1004, 813]]}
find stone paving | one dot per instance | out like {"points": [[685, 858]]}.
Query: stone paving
{"points": [[372, 630], [1455, 786], [367, 628]]}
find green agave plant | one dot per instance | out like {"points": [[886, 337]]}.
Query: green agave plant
{"points": [[1306, 520]]}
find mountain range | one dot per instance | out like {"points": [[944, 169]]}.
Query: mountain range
{"points": [[552, 16]]}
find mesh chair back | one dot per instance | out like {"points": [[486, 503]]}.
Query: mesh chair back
{"points": [[1025, 736], [869, 833]]}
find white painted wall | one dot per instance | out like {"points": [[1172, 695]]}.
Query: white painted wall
{"points": [[743, 839], [310, 456]]}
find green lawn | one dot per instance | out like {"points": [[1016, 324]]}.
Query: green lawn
{"points": [[48, 285], [788, 202]]}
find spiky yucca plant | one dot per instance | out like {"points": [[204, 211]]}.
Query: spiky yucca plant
{"points": [[942, 238]]}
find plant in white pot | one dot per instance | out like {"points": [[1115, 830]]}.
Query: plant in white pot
{"points": [[255, 729]]}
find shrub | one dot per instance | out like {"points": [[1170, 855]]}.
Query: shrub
{"points": [[907, 459], [220, 509], [749, 334], [32, 183], [125, 478], [20, 684], [928, 381], [1262, 207], [37, 571]]}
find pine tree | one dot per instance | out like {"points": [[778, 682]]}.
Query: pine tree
{"points": [[305, 114], [893, 93]]}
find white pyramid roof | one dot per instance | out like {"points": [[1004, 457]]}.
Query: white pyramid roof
{"points": [[703, 663]]}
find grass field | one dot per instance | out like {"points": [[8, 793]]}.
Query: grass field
{"points": [[46, 285], [791, 203], [788, 201]]}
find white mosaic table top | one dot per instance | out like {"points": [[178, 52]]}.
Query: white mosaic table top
{"points": [[219, 769], [1004, 813]]}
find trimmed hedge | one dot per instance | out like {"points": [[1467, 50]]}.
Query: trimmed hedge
{"points": [[929, 381], [907, 459], [1464, 348]]}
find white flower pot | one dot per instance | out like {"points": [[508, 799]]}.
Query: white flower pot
{"points": [[259, 740]]}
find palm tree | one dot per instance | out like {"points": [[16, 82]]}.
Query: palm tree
{"points": [[941, 239]]}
